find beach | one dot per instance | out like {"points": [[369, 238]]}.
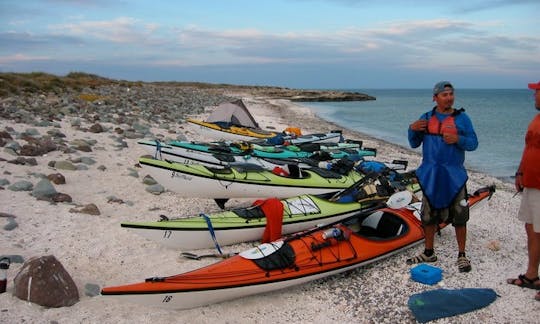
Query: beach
{"points": [[95, 250]]}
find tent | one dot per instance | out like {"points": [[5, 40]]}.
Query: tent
{"points": [[233, 113]]}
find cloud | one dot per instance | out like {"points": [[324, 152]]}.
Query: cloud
{"points": [[118, 30], [21, 58], [455, 7]]}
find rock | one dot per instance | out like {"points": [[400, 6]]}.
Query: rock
{"points": [[494, 245], [90, 209], [81, 145], [156, 189], [44, 281], [82, 167], [44, 190], [76, 123], [13, 145], [61, 197], [148, 180], [87, 160], [37, 147], [65, 165], [30, 132], [133, 173], [5, 135], [56, 133], [92, 290], [96, 128], [57, 178], [83, 148], [11, 225], [114, 199], [23, 161], [7, 215], [22, 185]]}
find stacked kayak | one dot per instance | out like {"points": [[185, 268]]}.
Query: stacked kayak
{"points": [[245, 181], [228, 133], [333, 136], [248, 224], [225, 153], [366, 237]]}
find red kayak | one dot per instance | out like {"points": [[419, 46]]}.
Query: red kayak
{"points": [[358, 240]]}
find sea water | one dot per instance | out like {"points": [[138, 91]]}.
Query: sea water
{"points": [[500, 118]]}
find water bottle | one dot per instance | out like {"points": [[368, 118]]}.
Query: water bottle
{"points": [[325, 165], [331, 232], [4, 265]]}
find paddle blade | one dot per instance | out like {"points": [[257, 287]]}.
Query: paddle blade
{"points": [[399, 199]]}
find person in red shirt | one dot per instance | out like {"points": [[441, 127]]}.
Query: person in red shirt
{"points": [[528, 183]]}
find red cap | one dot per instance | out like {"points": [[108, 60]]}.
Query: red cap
{"points": [[534, 86]]}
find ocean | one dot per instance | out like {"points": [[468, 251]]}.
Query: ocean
{"points": [[500, 118]]}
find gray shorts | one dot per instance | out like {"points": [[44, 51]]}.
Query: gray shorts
{"points": [[456, 214], [529, 210]]}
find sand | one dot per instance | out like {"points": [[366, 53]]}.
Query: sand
{"points": [[95, 249]]}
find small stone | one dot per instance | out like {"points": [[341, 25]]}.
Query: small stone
{"points": [[57, 178]]}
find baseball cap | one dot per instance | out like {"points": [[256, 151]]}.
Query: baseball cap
{"points": [[440, 87], [534, 86]]}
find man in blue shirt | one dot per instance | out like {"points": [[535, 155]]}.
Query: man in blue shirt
{"points": [[445, 133]]}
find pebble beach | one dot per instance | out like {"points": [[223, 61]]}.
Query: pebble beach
{"points": [[89, 137]]}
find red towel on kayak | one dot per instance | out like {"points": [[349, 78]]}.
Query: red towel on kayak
{"points": [[273, 211]]}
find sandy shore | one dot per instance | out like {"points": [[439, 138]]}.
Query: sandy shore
{"points": [[95, 249]]}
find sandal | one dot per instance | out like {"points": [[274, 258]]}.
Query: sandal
{"points": [[537, 296], [524, 282], [421, 258], [464, 265]]}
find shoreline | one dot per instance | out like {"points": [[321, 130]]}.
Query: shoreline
{"points": [[95, 249]]}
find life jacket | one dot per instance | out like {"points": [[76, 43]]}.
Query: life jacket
{"points": [[447, 126], [442, 174]]}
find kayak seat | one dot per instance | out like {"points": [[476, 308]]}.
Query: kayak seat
{"points": [[247, 167], [282, 258], [254, 212], [328, 174], [382, 225], [219, 170], [224, 157], [309, 147], [219, 149]]}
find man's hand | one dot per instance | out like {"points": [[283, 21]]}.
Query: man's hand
{"points": [[519, 182], [419, 125], [450, 138]]}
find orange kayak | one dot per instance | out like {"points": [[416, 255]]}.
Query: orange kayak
{"points": [[361, 239]]}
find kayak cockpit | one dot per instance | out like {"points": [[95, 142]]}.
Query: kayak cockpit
{"points": [[379, 225]]}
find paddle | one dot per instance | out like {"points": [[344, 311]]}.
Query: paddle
{"points": [[194, 256]]}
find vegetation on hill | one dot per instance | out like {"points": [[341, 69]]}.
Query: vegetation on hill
{"points": [[40, 82]]}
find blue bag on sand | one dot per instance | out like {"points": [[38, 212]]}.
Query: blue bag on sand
{"points": [[434, 304]]}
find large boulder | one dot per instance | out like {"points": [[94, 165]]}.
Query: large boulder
{"points": [[44, 281]]}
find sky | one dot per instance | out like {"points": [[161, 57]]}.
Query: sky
{"points": [[308, 44]]}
